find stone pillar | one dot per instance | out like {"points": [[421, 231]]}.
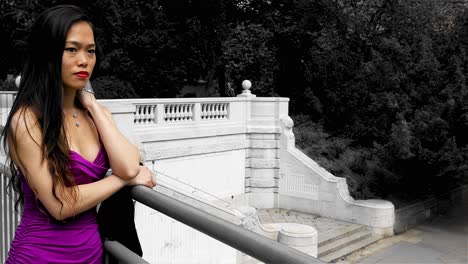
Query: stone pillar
{"points": [[262, 154], [262, 169]]}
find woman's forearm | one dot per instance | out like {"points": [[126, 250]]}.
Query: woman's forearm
{"points": [[123, 156], [89, 196]]}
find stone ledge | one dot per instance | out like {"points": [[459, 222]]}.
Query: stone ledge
{"points": [[264, 190], [186, 130], [194, 150], [263, 136]]}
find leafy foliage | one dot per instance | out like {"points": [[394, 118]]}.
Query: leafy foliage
{"points": [[110, 87], [379, 87]]}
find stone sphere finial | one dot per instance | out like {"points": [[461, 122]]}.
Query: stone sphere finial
{"points": [[17, 81], [246, 85]]}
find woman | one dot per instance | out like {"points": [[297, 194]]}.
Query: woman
{"points": [[61, 142]]}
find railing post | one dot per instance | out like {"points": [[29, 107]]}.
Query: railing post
{"points": [[159, 115], [197, 112]]}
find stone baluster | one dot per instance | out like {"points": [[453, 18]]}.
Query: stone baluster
{"points": [[189, 112], [177, 112], [141, 121], [186, 113], [217, 111], [151, 115], [147, 115], [183, 115], [205, 111], [211, 113], [226, 111], [136, 118], [173, 113], [167, 113], [182, 112]]}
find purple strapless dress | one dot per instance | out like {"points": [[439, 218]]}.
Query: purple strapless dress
{"points": [[40, 238]]}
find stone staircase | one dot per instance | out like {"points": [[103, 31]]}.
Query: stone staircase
{"points": [[336, 244], [341, 242], [336, 239]]}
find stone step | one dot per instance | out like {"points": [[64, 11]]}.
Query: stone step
{"points": [[343, 242], [349, 249], [329, 237]]}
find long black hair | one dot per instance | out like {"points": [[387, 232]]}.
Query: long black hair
{"points": [[41, 91]]}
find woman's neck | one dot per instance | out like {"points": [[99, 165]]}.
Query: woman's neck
{"points": [[69, 98]]}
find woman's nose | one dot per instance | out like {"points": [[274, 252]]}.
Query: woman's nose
{"points": [[82, 60]]}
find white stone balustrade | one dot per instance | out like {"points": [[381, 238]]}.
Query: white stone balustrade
{"points": [[6, 102], [184, 110], [214, 111]]}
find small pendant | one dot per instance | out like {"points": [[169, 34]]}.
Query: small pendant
{"points": [[77, 123], [75, 115]]}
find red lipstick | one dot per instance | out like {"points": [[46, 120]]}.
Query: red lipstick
{"points": [[82, 74]]}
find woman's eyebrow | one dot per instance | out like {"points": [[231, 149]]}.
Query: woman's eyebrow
{"points": [[77, 43]]}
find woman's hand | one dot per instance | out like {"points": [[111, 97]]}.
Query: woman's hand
{"points": [[144, 177], [86, 98]]}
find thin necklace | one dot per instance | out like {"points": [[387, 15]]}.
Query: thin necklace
{"points": [[75, 120]]}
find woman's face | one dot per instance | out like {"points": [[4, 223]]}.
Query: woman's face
{"points": [[79, 56]]}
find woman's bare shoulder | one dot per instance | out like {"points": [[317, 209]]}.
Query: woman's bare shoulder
{"points": [[25, 123], [23, 118]]}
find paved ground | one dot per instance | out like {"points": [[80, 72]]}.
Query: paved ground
{"points": [[442, 240]]}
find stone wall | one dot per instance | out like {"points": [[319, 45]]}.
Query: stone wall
{"points": [[417, 213], [307, 187]]}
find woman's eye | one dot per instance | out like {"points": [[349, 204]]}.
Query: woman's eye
{"points": [[70, 49], [92, 51]]}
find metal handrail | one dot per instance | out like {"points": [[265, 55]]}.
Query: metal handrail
{"points": [[253, 244]]}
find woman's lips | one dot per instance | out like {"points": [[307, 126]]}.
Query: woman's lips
{"points": [[82, 75]]}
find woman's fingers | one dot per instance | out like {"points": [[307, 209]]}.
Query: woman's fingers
{"points": [[85, 97], [144, 177], [154, 178], [149, 181]]}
